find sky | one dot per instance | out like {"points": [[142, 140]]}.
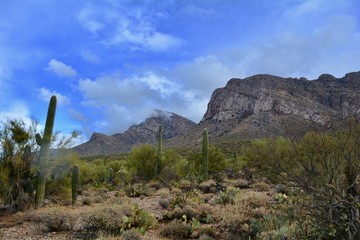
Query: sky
{"points": [[112, 62]]}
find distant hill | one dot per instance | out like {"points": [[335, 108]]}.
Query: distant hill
{"points": [[145, 132]]}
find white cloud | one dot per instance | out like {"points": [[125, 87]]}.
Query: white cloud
{"points": [[60, 69], [143, 37], [127, 28], [203, 74], [90, 57], [45, 95], [331, 48], [18, 111], [86, 18]]}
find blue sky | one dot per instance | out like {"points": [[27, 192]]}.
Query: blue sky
{"points": [[111, 63]]}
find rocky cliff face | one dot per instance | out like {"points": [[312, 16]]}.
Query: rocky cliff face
{"points": [[315, 100], [145, 132], [266, 105]]}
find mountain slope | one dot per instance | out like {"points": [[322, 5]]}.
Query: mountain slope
{"points": [[145, 132]]}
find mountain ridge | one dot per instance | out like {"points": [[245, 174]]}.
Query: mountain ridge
{"points": [[258, 106], [144, 132]]}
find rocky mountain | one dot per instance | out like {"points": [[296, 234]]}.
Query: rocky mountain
{"points": [[146, 132], [254, 107], [266, 105]]}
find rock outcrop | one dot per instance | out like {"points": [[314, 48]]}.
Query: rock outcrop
{"points": [[316, 100], [266, 105]]}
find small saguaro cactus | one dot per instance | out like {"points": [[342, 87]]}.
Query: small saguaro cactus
{"points": [[75, 179], [205, 154], [111, 175], [159, 152], [44, 155]]}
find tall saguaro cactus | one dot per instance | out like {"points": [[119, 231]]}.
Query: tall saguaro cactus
{"points": [[75, 179], [44, 142], [205, 154], [159, 152]]}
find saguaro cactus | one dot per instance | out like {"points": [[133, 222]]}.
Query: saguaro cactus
{"points": [[111, 175], [159, 152], [205, 154], [44, 142], [75, 179]]}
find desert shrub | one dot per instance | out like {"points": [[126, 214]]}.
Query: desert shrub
{"points": [[207, 186], [216, 161], [241, 218], [131, 234], [17, 147], [56, 219], [172, 164], [92, 174], [87, 201], [137, 190], [164, 203], [261, 186], [142, 162], [326, 167], [227, 196], [115, 219], [176, 229]]}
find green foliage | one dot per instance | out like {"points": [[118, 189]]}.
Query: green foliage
{"points": [[216, 161], [44, 154], [326, 167], [137, 190], [17, 147], [173, 166], [205, 155], [159, 152], [227, 197], [142, 162]]}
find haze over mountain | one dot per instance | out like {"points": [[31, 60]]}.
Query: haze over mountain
{"points": [[255, 107]]}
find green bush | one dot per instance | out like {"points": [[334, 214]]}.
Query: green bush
{"points": [[325, 166], [216, 161], [142, 162]]}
